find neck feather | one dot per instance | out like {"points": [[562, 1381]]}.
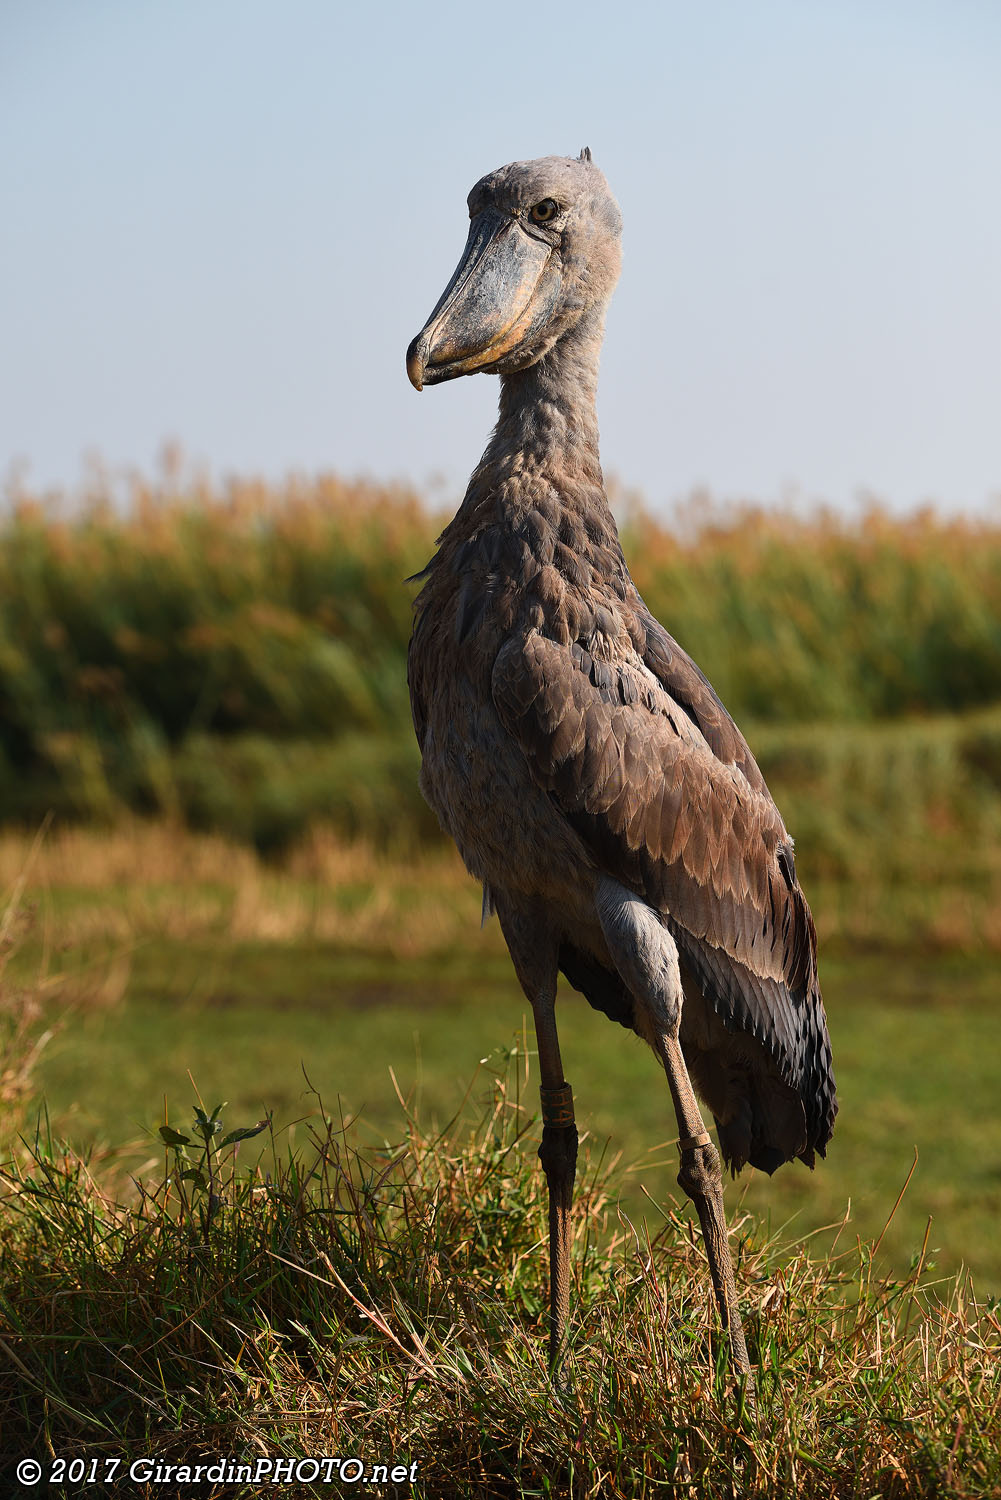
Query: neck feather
{"points": [[548, 424], [547, 427], [535, 512]]}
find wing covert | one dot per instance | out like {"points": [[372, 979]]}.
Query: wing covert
{"points": [[638, 779], [687, 683]]}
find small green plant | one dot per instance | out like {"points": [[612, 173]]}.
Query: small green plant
{"points": [[205, 1175]]}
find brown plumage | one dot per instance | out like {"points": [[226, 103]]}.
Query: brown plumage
{"points": [[585, 767]]}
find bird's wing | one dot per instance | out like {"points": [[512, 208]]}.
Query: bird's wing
{"points": [[692, 690], [638, 779], [416, 686]]}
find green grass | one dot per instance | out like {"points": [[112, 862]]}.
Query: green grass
{"points": [[381, 1293], [247, 1024], [234, 663], [389, 1306], [167, 956]]}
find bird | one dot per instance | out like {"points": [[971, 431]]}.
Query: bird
{"points": [[582, 763]]}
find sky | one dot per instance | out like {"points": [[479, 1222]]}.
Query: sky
{"points": [[224, 220]]}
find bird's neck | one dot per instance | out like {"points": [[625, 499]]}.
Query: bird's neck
{"points": [[548, 418], [546, 438], [536, 507]]}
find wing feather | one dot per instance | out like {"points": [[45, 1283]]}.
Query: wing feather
{"points": [[664, 790]]}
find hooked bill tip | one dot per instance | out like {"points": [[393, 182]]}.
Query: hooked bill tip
{"points": [[415, 364]]}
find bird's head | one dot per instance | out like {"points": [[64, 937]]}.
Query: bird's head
{"points": [[543, 250]]}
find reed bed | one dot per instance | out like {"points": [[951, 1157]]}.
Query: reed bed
{"points": [[233, 657]]}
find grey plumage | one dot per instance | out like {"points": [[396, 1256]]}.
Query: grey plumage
{"points": [[573, 750]]}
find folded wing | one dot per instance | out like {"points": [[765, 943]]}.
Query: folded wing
{"points": [[642, 778]]}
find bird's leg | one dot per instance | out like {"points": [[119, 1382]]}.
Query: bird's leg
{"points": [[558, 1154], [645, 954], [534, 953], [702, 1180]]}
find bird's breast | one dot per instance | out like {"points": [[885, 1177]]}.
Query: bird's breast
{"points": [[473, 774]]}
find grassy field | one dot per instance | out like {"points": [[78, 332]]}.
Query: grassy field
{"points": [[169, 955], [238, 896], [376, 1290], [386, 1309]]}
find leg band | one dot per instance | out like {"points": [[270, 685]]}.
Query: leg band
{"points": [[691, 1141], [557, 1106]]}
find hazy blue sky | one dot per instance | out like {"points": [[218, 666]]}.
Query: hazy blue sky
{"points": [[223, 220]]}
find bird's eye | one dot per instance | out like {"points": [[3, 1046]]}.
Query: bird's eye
{"points": [[543, 212]]}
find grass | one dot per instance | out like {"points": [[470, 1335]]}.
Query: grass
{"points": [[229, 665], [388, 1305], [162, 955]]}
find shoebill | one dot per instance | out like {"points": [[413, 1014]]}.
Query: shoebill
{"points": [[590, 776]]}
